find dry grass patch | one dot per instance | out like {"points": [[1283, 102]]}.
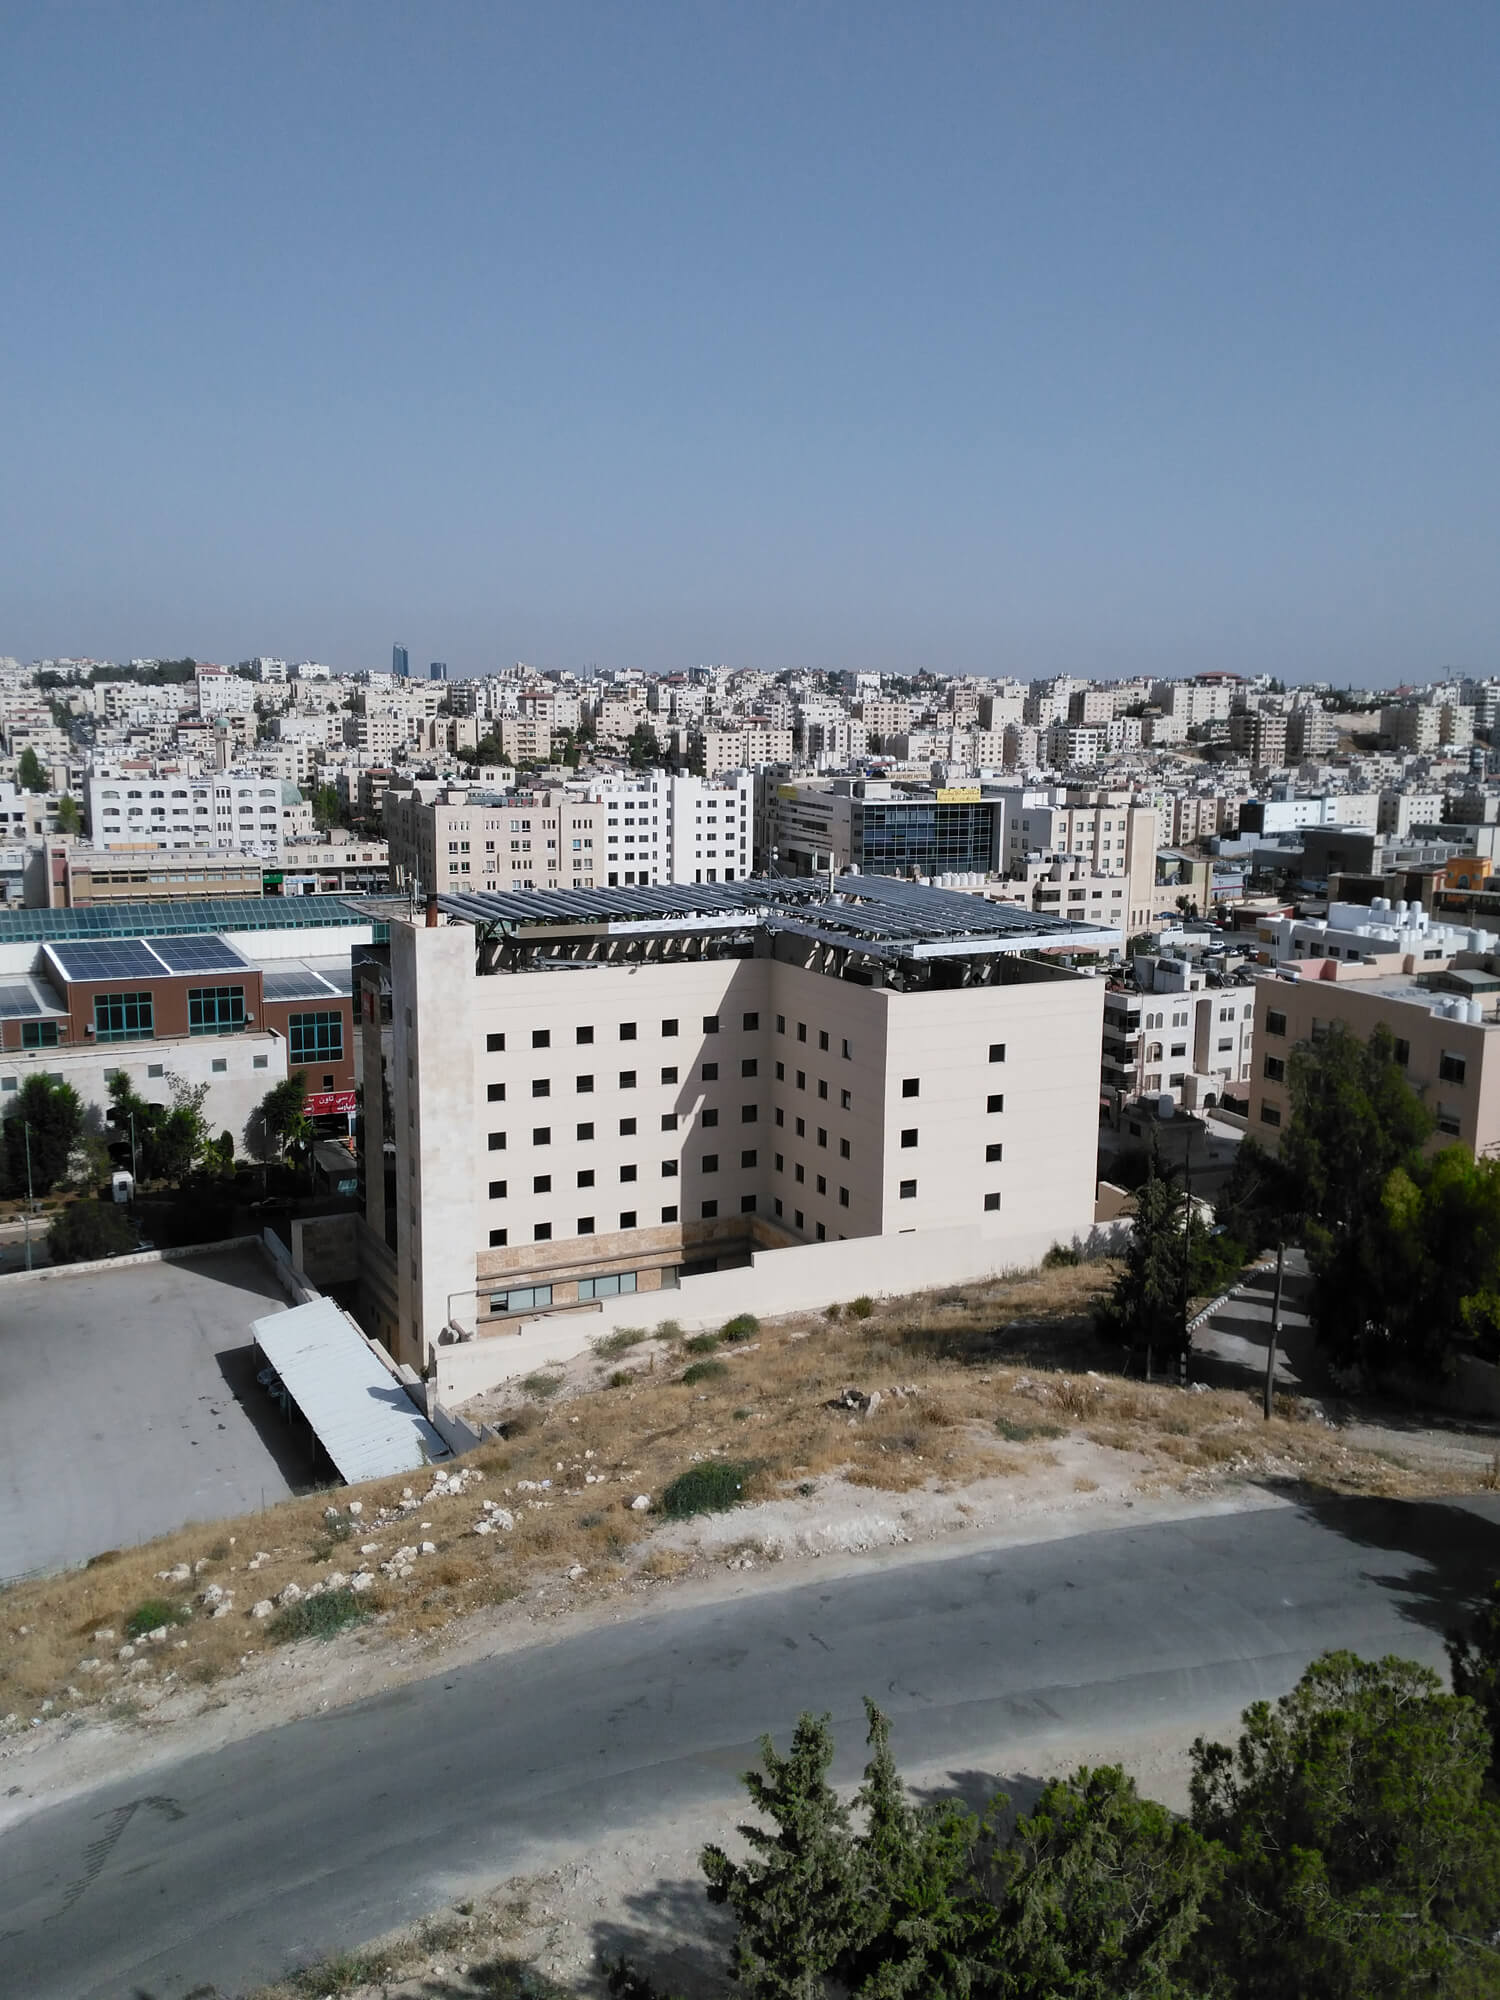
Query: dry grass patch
{"points": [[964, 1395]]}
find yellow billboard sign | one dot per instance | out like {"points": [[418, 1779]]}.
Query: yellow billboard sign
{"points": [[958, 795]]}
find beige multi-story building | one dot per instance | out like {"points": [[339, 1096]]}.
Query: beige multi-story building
{"points": [[617, 1094]]}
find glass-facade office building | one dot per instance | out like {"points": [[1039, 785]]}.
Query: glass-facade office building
{"points": [[924, 836]]}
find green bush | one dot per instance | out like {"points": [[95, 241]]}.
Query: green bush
{"points": [[317, 1617], [701, 1343], [710, 1488], [619, 1377], [670, 1329], [541, 1386], [90, 1229], [1023, 1433], [862, 1307], [741, 1327], [608, 1345], [832, 1312], [1059, 1256], [155, 1611], [704, 1371]]}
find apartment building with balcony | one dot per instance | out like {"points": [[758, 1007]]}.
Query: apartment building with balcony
{"points": [[609, 1091]]}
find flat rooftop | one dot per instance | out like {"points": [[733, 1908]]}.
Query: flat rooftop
{"points": [[193, 916], [131, 1407], [879, 915]]}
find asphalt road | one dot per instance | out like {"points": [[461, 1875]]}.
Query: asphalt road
{"points": [[226, 1869]]}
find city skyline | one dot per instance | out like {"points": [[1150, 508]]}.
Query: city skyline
{"points": [[1035, 344]]}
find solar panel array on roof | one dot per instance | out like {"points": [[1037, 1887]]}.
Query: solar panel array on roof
{"points": [[124, 958], [298, 984], [19, 1001], [192, 916], [200, 954]]}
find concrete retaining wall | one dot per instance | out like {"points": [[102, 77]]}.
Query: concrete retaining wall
{"points": [[806, 1278], [96, 1264]]}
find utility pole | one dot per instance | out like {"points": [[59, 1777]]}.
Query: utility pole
{"points": [[1274, 1341], [30, 1198], [1187, 1248]]}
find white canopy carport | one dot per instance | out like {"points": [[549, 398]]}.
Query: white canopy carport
{"points": [[360, 1413]]}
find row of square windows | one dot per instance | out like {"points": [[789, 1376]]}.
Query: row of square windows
{"points": [[709, 1164], [541, 1038], [541, 1232], [541, 1135], [541, 1086]]}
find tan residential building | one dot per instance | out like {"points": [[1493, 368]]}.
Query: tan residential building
{"points": [[636, 1088]]}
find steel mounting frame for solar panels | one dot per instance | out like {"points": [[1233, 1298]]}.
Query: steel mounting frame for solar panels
{"points": [[208, 952]]}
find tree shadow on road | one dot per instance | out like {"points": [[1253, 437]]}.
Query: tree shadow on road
{"points": [[673, 1934], [1454, 1547]]}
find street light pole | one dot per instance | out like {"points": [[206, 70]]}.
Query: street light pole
{"points": [[1275, 1331], [30, 1198]]}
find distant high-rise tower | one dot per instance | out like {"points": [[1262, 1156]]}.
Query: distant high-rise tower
{"points": [[438, 671], [400, 662]]}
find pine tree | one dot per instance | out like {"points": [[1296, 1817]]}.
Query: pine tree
{"points": [[1144, 1312]]}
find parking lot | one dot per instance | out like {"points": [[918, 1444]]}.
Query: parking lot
{"points": [[129, 1406]]}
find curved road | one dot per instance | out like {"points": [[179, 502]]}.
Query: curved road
{"points": [[225, 1869]]}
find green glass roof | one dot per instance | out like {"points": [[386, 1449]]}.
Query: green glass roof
{"points": [[196, 916]]}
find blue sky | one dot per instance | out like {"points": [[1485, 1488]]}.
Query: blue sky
{"points": [[1102, 339]]}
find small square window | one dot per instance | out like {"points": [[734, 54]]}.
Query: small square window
{"points": [[497, 1190], [747, 1204], [797, 1172], [749, 1114], [911, 1086], [844, 1149], [710, 1072], [781, 1024], [586, 1131], [843, 1197], [494, 1045], [583, 1036], [822, 1184], [749, 1067], [669, 1214], [497, 1142], [801, 1128], [776, 1205], [995, 1151], [749, 1157], [585, 1177], [908, 1190], [822, 1038], [585, 1225], [627, 1172], [802, 1079], [220, 1064], [627, 1128], [541, 1184], [541, 1086], [780, 1116], [498, 1238], [627, 1031], [822, 1135], [820, 1230], [844, 1050], [802, 1031], [627, 1079], [260, 1062], [496, 1093], [796, 1218], [991, 1202], [708, 1116], [751, 1023], [669, 1073], [781, 1072], [541, 1232], [627, 1218], [781, 1163], [669, 1170], [583, 1084], [669, 1121], [541, 1135], [709, 1210], [669, 1028], [909, 1136], [710, 1163], [845, 1100], [541, 1038], [995, 1101], [997, 1052], [160, 1069], [710, 1024]]}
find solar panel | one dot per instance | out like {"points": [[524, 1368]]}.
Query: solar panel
{"points": [[16, 1001], [298, 985], [192, 916], [199, 954], [122, 958]]}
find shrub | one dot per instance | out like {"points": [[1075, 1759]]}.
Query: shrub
{"points": [[710, 1488], [704, 1371], [619, 1378], [317, 1617], [1059, 1256], [669, 1329], [1023, 1433], [155, 1611], [541, 1386], [608, 1345], [741, 1327], [832, 1312], [862, 1307], [701, 1343], [87, 1230]]}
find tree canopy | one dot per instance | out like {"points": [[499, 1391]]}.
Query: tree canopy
{"points": [[46, 1117], [29, 773]]}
